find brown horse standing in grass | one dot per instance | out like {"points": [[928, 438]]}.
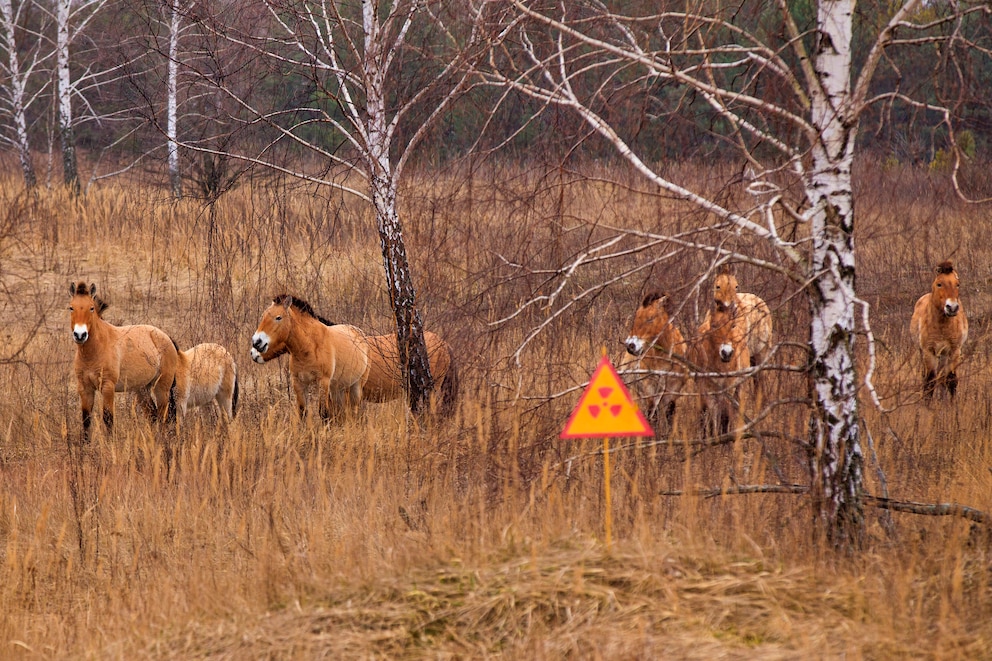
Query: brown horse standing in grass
{"points": [[750, 309], [335, 356], [720, 347], [111, 359], [940, 328], [207, 373], [385, 378], [658, 346]]}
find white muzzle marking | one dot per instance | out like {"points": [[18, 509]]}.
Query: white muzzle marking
{"points": [[80, 333], [635, 345], [726, 352], [259, 345]]}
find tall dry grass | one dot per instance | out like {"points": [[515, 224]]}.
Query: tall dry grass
{"points": [[482, 535]]}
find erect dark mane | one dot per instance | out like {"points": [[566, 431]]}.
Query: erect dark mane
{"points": [[652, 298], [304, 307], [101, 305], [945, 267]]}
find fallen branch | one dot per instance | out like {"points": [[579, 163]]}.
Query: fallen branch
{"points": [[931, 509], [926, 509]]}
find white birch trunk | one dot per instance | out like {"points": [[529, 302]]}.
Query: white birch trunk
{"points": [[399, 280], [70, 171], [9, 26], [838, 461], [175, 180]]}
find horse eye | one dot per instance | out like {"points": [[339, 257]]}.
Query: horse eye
{"points": [[939, 285], [92, 308], [279, 318]]}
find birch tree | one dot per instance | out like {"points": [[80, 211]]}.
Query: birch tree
{"points": [[23, 62], [71, 19], [362, 113], [172, 99], [788, 96]]}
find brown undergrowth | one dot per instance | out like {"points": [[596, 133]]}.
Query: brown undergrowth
{"points": [[478, 536]]}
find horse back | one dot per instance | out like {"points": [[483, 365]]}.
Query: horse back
{"points": [[350, 349], [206, 370], [143, 354], [385, 378]]}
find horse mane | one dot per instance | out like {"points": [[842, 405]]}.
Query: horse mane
{"points": [[304, 307], [947, 266], [652, 298], [102, 305]]}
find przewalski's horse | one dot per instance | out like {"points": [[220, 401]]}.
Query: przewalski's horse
{"points": [[335, 356], [385, 377], [720, 347], [111, 359], [750, 309], [207, 373], [657, 345], [940, 328]]}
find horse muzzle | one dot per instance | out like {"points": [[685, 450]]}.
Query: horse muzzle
{"points": [[951, 309], [256, 355], [726, 352], [635, 346], [80, 334]]}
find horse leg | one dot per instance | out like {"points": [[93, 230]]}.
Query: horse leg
{"points": [[164, 392], [107, 395], [147, 404], [324, 399], [301, 397], [951, 381], [86, 406], [929, 373]]}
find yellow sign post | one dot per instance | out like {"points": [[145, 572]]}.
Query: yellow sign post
{"points": [[606, 409]]}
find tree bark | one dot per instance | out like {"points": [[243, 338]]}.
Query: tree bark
{"points": [[175, 180], [17, 94], [838, 462], [414, 365], [70, 170]]}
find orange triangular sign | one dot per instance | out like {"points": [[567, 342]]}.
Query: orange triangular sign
{"points": [[606, 408]]}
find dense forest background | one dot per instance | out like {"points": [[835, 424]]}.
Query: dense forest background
{"points": [[119, 67]]}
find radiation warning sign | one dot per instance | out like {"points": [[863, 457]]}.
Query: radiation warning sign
{"points": [[606, 408]]}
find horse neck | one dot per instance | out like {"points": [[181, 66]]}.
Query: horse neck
{"points": [[669, 341], [101, 333], [301, 335]]}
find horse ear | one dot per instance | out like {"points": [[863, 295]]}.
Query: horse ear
{"points": [[72, 289], [92, 289], [287, 301]]}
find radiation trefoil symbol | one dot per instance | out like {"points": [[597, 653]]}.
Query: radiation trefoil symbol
{"points": [[606, 408]]}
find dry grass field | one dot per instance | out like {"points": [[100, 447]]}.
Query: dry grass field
{"points": [[478, 536]]}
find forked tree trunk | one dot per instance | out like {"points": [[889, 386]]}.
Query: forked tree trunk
{"points": [[70, 171], [838, 462]]}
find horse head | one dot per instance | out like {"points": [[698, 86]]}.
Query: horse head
{"points": [[725, 292], [721, 334], [945, 289], [84, 305], [269, 340], [650, 322]]}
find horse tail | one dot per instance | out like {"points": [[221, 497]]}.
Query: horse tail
{"points": [[170, 413], [449, 387], [234, 397]]}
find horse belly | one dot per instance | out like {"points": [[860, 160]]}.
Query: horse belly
{"points": [[384, 381], [140, 359]]}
